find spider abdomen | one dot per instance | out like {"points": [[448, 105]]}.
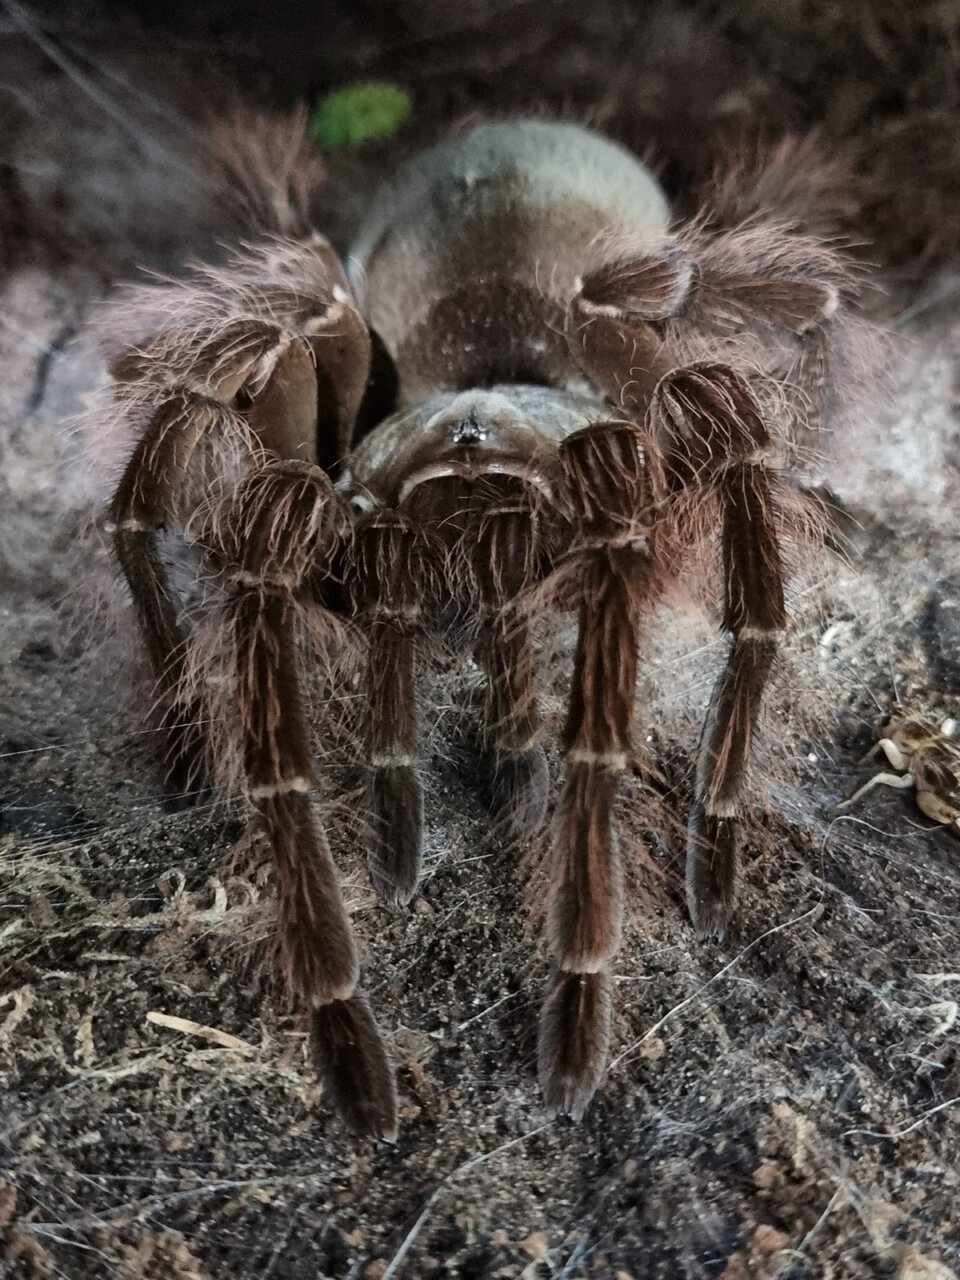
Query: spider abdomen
{"points": [[468, 263]]}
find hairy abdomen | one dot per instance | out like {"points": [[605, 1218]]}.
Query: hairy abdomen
{"points": [[471, 253]]}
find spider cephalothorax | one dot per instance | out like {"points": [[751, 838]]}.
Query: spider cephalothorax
{"points": [[568, 393]]}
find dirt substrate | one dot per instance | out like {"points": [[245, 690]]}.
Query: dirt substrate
{"points": [[784, 1103]]}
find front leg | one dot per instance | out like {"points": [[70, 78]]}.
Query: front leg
{"points": [[271, 357], [613, 489], [639, 311], [281, 527]]}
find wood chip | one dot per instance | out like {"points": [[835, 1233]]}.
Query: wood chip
{"points": [[191, 1028]]}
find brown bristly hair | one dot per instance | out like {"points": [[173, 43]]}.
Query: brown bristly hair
{"points": [[264, 170]]}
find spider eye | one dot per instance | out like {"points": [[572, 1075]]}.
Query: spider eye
{"points": [[469, 431]]}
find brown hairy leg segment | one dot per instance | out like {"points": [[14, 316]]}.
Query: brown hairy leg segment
{"points": [[282, 524], [390, 569], [614, 490], [506, 563], [715, 437], [246, 391], [144, 502]]}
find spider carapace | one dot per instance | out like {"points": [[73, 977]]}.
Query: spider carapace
{"points": [[581, 395]]}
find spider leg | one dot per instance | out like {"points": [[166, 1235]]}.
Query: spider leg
{"points": [[626, 329], [505, 559], [515, 757], [626, 323], [145, 500], [390, 570], [284, 375], [715, 437], [902, 781], [196, 419], [941, 806], [895, 755], [225, 400], [783, 280], [614, 322], [282, 523], [613, 487]]}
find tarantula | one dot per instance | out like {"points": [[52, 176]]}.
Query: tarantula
{"points": [[526, 386]]}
